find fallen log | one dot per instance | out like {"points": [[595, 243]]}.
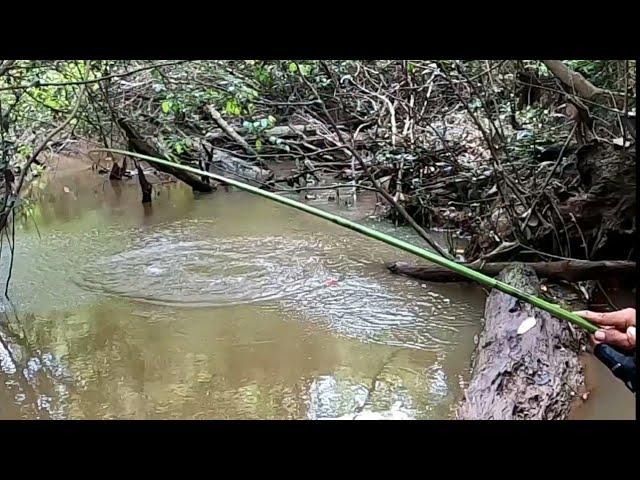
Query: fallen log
{"points": [[282, 131], [138, 145], [532, 375], [568, 270], [279, 132], [234, 167]]}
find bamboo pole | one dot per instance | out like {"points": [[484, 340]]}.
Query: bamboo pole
{"points": [[473, 275]]}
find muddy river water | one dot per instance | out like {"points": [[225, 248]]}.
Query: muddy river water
{"points": [[228, 306]]}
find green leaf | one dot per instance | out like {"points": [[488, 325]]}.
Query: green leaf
{"points": [[264, 123], [293, 68], [24, 150], [231, 107], [166, 106], [305, 70], [179, 148], [272, 120], [50, 102], [263, 76], [258, 144]]}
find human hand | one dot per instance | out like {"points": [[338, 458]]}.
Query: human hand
{"points": [[616, 328]]}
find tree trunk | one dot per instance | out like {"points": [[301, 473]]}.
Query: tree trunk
{"points": [[569, 270], [138, 145], [533, 375]]}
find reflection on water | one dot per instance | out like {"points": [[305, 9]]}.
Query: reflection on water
{"points": [[221, 306]]}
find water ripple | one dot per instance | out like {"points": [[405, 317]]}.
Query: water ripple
{"points": [[332, 281]]}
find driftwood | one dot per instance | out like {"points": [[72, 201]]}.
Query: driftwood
{"points": [[230, 131], [137, 144], [291, 132], [569, 270], [278, 132], [533, 375], [231, 166]]}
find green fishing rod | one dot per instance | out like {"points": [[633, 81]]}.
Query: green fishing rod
{"points": [[462, 270]]}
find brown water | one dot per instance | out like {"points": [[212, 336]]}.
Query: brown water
{"points": [[222, 306]]}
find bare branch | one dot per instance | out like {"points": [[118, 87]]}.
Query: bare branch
{"points": [[578, 83]]}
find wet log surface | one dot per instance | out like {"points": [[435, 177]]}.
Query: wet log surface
{"points": [[568, 270], [228, 165], [534, 375]]}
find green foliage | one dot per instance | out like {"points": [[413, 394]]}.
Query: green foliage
{"points": [[588, 68], [263, 76], [231, 107], [259, 125], [305, 69], [24, 151], [252, 93]]}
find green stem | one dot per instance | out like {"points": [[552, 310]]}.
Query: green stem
{"points": [[469, 273]]}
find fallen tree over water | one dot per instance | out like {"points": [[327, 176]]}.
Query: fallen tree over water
{"points": [[517, 374], [139, 145], [567, 270]]}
